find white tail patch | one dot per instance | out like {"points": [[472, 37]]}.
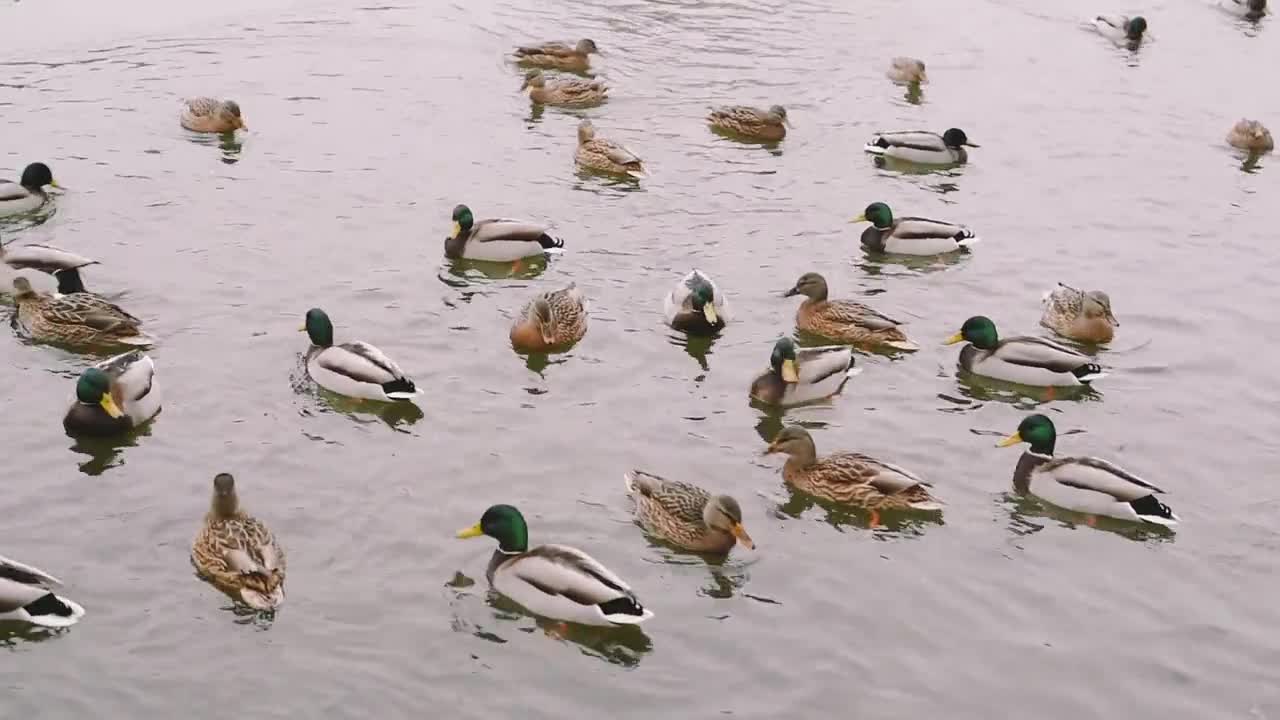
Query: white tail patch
{"points": [[1157, 520], [903, 345], [1093, 377], [403, 395], [637, 174], [622, 619], [629, 480], [927, 506], [874, 149], [138, 341], [969, 241], [855, 370]]}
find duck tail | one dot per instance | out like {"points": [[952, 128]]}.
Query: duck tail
{"points": [[637, 172], [139, 340], [400, 389], [629, 481], [550, 243], [1151, 510], [625, 610], [877, 146], [904, 344], [966, 238], [927, 505], [1089, 372]]}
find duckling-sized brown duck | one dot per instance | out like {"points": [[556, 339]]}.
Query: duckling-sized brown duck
{"points": [[844, 320], [211, 115], [751, 123], [237, 552], [552, 320], [686, 515], [1251, 136], [563, 91], [605, 156], [558, 55]]}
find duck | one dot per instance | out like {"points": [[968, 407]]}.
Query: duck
{"points": [[554, 581], [558, 55], [844, 320], [26, 595], [55, 269], [696, 306], [685, 515], [1122, 29], [1079, 315], [354, 369], [849, 478], [801, 375], [1251, 136], [1247, 9], [907, 71], [1082, 484], [563, 91], [80, 318], [551, 320], [211, 115], [751, 123], [1024, 360], [114, 396], [237, 553], [28, 194], [922, 147], [911, 235], [605, 156], [496, 240]]}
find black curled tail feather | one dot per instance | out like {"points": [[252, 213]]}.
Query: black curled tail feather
{"points": [[1087, 369], [48, 605], [625, 605], [550, 243], [881, 142], [399, 385], [1151, 507]]}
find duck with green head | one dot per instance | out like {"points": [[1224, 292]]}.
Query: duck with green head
{"points": [[51, 269], [685, 515], [802, 375], [1024, 359], [496, 240], [28, 194], [554, 581], [114, 396], [922, 147], [911, 235], [26, 596], [696, 305], [354, 369], [1121, 29], [1082, 484]]}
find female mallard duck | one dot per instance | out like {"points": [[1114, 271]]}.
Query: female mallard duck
{"points": [[911, 235], [850, 478], [563, 91], [77, 319], [752, 123], [798, 376], [844, 320], [1251, 136], [62, 265], [26, 595], [907, 71], [1121, 29], [237, 552], [1082, 484], [1247, 9], [28, 193], [552, 320], [355, 369], [696, 306], [605, 156], [114, 396], [211, 115], [1023, 360], [1079, 315], [686, 515], [496, 240], [558, 55], [921, 147], [555, 581]]}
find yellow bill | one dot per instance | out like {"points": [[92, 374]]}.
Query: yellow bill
{"points": [[709, 311], [741, 533], [1013, 439], [457, 229], [54, 183], [789, 372], [473, 531], [957, 338], [110, 406], [860, 218]]}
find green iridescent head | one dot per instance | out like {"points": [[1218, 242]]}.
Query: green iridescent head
{"points": [[503, 523]]}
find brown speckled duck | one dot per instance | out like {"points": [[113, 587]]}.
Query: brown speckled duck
{"points": [[1251, 136], [844, 320], [558, 55], [552, 320], [751, 123], [906, 71], [563, 91], [81, 318], [686, 515], [1079, 315], [605, 156], [237, 552], [210, 115]]}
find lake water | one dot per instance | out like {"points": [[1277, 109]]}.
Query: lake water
{"points": [[369, 123]]}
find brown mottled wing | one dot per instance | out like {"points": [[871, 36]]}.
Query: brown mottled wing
{"points": [[89, 309], [202, 106], [580, 89], [557, 49], [888, 479], [679, 499], [848, 311], [620, 154]]}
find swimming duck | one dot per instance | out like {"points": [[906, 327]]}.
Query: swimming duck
{"points": [[911, 235], [81, 318], [555, 581], [496, 240], [850, 478], [800, 375], [237, 553], [558, 55], [921, 147], [751, 123], [114, 396], [1121, 29], [26, 595], [551, 320], [355, 369], [906, 71], [685, 515], [28, 193], [61, 265], [844, 320], [604, 155], [1251, 136], [211, 115], [1079, 315], [1247, 9], [563, 91], [1023, 360], [1082, 484], [696, 306]]}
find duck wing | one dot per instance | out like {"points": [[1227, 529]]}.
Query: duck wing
{"points": [[502, 229], [569, 573], [1039, 352], [44, 258], [911, 139], [558, 49], [679, 499], [26, 574], [819, 363], [910, 228], [361, 362], [13, 191], [849, 311], [1090, 473]]}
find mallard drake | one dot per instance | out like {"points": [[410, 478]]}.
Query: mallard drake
{"points": [[211, 115], [1121, 29], [1082, 484], [1079, 315], [497, 240], [81, 318], [355, 369], [604, 155], [28, 193], [696, 306], [62, 265], [1247, 9], [114, 396], [237, 553], [907, 71], [844, 320], [563, 91], [849, 478], [800, 375], [1024, 360], [752, 123], [26, 595], [558, 55], [911, 235], [1251, 136], [555, 581], [685, 515], [922, 147], [551, 320]]}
